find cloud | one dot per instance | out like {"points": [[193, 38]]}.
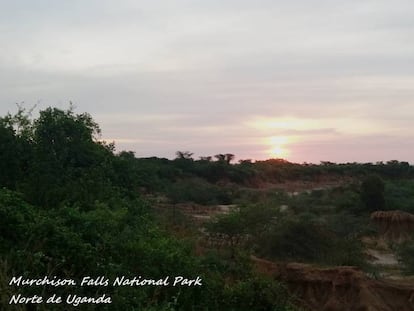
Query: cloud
{"points": [[194, 73]]}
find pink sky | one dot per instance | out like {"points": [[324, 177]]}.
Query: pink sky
{"points": [[314, 80]]}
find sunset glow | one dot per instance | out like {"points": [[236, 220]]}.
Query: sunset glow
{"points": [[278, 149], [278, 152], [304, 125]]}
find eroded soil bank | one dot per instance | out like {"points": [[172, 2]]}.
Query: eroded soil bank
{"points": [[340, 288]]}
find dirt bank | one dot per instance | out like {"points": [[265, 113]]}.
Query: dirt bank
{"points": [[340, 288]]}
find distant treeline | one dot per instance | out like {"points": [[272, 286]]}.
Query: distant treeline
{"points": [[153, 172]]}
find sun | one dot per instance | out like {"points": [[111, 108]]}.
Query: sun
{"points": [[277, 147], [278, 152]]}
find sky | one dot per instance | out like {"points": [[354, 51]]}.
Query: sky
{"points": [[304, 80]]}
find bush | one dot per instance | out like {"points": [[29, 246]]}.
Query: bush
{"points": [[309, 239], [372, 193], [198, 191], [405, 253], [297, 240], [256, 293]]}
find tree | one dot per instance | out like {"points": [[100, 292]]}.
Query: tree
{"points": [[15, 140], [220, 157], [61, 157], [187, 155], [224, 158], [9, 157], [405, 253], [372, 193], [229, 157], [229, 228]]}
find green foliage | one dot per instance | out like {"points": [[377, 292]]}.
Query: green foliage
{"points": [[70, 207], [258, 293], [55, 158], [329, 238], [298, 240], [405, 253], [9, 157], [15, 215], [399, 195], [72, 243], [306, 240], [15, 152], [228, 227], [372, 193], [198, 191]]}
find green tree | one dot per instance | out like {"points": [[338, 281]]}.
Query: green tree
{"points": [[229, 228], [372, 193], [405, 253], [9, 157]]}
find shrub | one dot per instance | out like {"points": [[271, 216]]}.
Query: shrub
{"points": [[405, 253], [372, 193]]}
